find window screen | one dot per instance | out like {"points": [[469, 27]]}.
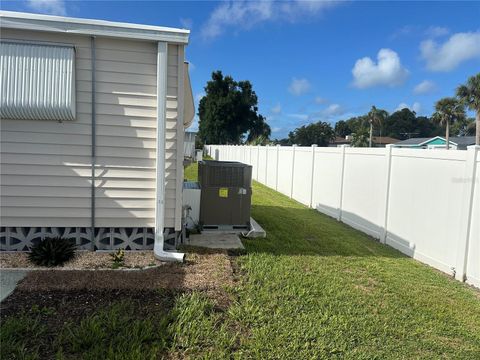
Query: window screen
{"points": [[37, 81]]}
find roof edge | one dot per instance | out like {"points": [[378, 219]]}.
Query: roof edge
{"points": [[51, 23]]}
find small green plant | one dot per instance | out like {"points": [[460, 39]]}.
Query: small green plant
{"points": [[52, 251], [118, 258], [44, 310]]}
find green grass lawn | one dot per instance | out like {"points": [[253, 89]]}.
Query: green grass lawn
{"points": [[313, 289], [316, 288]]}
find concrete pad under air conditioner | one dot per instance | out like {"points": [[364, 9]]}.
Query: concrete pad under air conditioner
{"points": [[215, 240], [256, 231]]}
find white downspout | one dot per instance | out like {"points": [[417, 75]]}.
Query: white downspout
{"points": [[158, 249]]}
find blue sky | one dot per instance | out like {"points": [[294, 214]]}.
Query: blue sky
{"points": [[311, 61]]}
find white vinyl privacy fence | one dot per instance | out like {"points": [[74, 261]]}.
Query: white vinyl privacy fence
{"points": [[425, 203]]}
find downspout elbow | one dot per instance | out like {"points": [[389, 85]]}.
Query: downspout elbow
{"points": [[168, 256]]}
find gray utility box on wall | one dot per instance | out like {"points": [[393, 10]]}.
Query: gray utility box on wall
{"points": [[226, 193]]}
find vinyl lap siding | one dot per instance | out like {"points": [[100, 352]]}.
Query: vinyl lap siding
{"points": [[45, 175]]}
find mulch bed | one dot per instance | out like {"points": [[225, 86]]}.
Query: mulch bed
{"points": [[84, 260], [210, 272]]}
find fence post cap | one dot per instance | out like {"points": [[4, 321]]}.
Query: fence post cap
{"points": [[314, 145]]}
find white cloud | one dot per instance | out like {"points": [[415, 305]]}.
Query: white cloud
{"points": [[411, 30], [436, 31], [276, 129], [388, 71], [186, 23], [319, 100], [53, 7], [404, 31], [246, 14], [299, 86], [298, 116], [458, 48], [277, 109], [332, 110], [191, 66], [415, 107], [425, 87]]}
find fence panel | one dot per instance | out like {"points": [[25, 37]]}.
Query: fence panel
{"points": [[327, 180], [271, 167], [364, 189], [473, 262], [254, 161], [285, 170], [302, 179], [262, 162], [424, 205]]}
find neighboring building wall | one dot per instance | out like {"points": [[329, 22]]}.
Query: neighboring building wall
{"points": [[46, 165]]}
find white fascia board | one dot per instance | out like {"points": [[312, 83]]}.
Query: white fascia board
{"points": [[27, 21]]}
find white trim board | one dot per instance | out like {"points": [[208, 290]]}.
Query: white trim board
{"points": [[60, 24]]}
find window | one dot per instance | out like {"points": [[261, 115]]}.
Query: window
{"points": [[37, 81]]}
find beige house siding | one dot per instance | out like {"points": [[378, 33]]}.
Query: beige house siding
{"points": [[46, 165]]}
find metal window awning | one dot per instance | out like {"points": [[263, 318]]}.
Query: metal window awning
{"points": [[37, 81]]}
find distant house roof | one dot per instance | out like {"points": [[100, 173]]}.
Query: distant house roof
{"points": [[340, 140], [384, 140], [455, 140], [413, 141]]}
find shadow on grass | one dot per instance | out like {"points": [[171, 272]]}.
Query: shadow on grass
{"points": [[299, 230]]}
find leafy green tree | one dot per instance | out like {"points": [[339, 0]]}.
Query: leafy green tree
{"points": [[282, 142], [471, 129], [259, 130], [320, 133], [469, 95], [360, 138], [376, 117], [401, 124], [356, 123], [342, 128], [229, 111], [465, 127], [448, 111]]}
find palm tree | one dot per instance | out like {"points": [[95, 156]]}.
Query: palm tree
{"points": [[447, 111], [469, 94], [360, 138], [376, 117]]}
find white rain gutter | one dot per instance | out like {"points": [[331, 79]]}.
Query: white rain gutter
{"points": [[189, 107], [60, 24], [158, 248]]}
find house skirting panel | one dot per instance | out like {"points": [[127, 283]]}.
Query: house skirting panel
{"points": [[106, 238]]}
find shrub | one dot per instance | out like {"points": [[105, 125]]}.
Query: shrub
{"points": [[52, 251], [118, 258]]}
